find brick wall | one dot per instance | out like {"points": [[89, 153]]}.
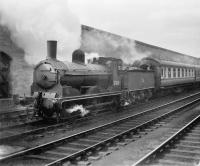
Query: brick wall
{"points": [[21, 72]]}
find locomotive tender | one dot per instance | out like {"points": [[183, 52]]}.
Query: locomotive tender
{"points": [[55, 81]]}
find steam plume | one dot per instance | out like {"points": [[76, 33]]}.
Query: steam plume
{"points": [[78, 108], [106, 44], [90, 56], [33, 22]]}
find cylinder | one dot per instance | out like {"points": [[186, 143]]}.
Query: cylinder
{"points": [[51, 49]]}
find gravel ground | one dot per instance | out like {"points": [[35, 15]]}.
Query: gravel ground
{"points": [[129, 154]]}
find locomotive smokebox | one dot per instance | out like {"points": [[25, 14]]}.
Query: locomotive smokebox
{"points": [[51, 49], [78, 56]]}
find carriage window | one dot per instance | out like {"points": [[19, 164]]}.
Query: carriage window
{"points": [[174, 72], [169, 72], [178, 72], [184, 73]]}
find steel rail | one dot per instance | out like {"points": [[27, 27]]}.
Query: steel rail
{"points": [[52, 143], [38, 129], [135, 129], [166, 144]]}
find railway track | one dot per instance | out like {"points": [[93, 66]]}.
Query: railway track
{"points": [[85, 144], [25, 116], [181, 149], [15, 112], [20, 116], [7, 134], [17, 116], [38, 127]]}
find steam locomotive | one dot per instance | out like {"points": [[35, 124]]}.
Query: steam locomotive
{"points": [[54, 81]]}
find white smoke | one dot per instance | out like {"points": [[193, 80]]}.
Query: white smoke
{"points": [[90, 56], [33, 22], [76, 108], [110, 45]]}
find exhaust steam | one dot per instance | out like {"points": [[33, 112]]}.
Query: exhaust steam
{"points": [[78, 108], [33, 22]]}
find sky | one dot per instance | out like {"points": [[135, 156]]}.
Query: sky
{"points": [[171, 24]]}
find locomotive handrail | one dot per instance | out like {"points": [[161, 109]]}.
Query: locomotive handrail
{"points": [[98, 95], [88, 95], [83, 97]]}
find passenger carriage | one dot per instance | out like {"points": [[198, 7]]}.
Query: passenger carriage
{"points": [[169, 74]]}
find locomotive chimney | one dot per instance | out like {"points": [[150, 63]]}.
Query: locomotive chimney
{"points": [[51, 49]]}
